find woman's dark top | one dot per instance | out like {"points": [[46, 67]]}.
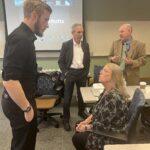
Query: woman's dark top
{"points": [[110, 113]]}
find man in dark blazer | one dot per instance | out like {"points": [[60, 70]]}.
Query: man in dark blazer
{"points": [[74, 62]]}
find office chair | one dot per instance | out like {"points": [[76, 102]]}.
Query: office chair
{"points": [[49, 94], [44, 106], [97, 69], [129, 134], [145, 123]]}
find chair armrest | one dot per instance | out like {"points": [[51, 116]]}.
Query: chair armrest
{"points": [[121, 136]]}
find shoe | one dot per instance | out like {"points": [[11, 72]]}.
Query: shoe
{"points": [[67, 126], [83, 115]]}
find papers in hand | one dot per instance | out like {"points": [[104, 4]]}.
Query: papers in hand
{"points": [[97, 89], [98, 86]]}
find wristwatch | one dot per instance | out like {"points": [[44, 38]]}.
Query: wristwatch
{"points": [[27, 109]]}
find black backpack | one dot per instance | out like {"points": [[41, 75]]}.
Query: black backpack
{"points": [[49, 84]]}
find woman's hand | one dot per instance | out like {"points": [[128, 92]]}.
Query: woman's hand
{"points": [[81, 128], [29, 115], [88, 120]]}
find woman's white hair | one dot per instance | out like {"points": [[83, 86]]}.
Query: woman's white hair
{"points": [[117, 79]]}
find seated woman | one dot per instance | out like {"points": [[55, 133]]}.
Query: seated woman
{"points": [[109, 113]]}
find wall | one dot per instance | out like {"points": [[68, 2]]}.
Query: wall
{"points": [[103, 18], [101, 34], [2, 37], [1, 11], [116, 10]]}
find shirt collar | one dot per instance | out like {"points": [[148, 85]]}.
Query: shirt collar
{"points": [[128, 42], [76, 44], [29, 31]]}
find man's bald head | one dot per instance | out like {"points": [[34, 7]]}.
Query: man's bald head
{"points": [[125, 32]]}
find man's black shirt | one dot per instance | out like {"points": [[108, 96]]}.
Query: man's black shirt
{"points": [[19, 61]]}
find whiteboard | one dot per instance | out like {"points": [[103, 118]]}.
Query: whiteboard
{"points": [[101, 34]]}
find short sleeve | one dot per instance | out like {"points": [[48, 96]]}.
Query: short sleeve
{"points": [[15, 58]]}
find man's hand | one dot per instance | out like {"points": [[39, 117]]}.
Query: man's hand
{"points": [[128, 61], [115, 59], [29, 115]]}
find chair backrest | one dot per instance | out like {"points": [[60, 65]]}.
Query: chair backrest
{"points": [[97, 69], [135, 108]]}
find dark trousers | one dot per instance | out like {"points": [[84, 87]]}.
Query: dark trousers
{"points": [[23, 132], [79, 140], [78, 77]]}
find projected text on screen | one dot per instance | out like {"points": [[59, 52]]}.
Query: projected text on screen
{"points": [[65, 14]]}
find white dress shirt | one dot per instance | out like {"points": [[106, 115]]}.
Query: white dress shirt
{"points": [[77, 62]]}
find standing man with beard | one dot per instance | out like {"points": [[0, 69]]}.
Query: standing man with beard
{"points": [[20, 73], [74, 62]]}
